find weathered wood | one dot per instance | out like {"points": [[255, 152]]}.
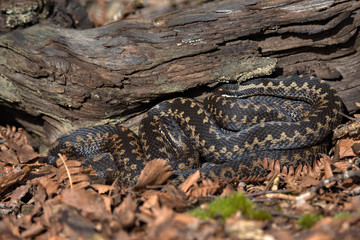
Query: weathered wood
{"points": [[72, 78], [24, 13]]}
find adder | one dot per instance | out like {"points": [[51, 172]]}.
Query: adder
{"points": [[232, 133]]}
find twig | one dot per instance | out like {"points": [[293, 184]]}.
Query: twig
{"points": [[311, 193], [67, 170], [286, 215], [266, 192], [112, 187], [347, 116], [280, 196]]}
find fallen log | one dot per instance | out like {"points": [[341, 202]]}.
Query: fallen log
{"points": [[66, 78]]}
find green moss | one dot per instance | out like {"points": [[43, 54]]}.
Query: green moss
{"points": [[225, 207], [342, 215], [306, 221], [278, 208]]}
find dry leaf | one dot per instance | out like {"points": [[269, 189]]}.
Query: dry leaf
{"points": [[205, 188], [87, 202], [9, 156], [190, 181], [14, 176], [51, 186], [345, 149], [309, 181], [101, 188], [156, 172], [72, 224], [227, 190], [356, 149], [174, 198], [18, 193], [15, 149], [125, 212], [71, 172], [33, 231]]}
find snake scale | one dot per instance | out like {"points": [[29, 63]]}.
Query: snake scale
{"points": [[287, 120]]}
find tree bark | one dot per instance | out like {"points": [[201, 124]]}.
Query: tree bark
{"points": [[24, 13], [70, 78]]}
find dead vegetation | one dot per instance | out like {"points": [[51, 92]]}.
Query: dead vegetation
{"points": [[42, 201], [312, 202]]}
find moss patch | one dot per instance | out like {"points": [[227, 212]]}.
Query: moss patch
{"points": [[306, 221], [225, 207]]}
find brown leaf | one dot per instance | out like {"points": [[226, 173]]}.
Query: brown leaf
{"points": [[33, 231], [356, 149], [126, 212], [16, 143], [9, 230], [228, 190], [14, 176], [18, 193], [9, 156], [101, 188], [345, 149], [79, 178], [206, 187], [162, 217], [327, 166], [190, 181], [174, 198], [308, 181], [39, 198], [87, 202], [156, 172], [185, 219], [71, 224], [26, 153], [72, 172], [146, 209], [79, 185], [50, 185], [67, 173], [69, 163]]}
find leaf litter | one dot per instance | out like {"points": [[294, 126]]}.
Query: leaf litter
{"points": [[46, 202]]}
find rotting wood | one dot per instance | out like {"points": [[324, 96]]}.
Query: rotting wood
{"points": [[71, 78]]}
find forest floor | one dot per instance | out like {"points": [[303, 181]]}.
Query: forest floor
{"points": [[46, 202], [40, 201]]}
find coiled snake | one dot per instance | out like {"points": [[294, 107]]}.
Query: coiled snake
{"points": [[287, 120]]}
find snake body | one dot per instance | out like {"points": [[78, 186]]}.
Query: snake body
{"points": [[287, 120]]}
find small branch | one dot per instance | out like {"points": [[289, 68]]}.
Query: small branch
{"points": [[266, 192], [67, 170], [280, 214], [311, 193]]}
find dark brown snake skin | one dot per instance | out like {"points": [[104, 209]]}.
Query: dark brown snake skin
{"points": [[287, 120]]}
